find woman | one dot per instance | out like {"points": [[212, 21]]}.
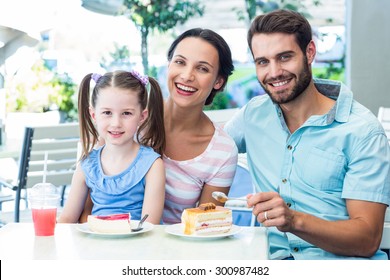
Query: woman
{"points": [[199, 156]]}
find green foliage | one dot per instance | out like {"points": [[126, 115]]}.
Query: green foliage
{"points": [[162, 15], [243, 75], [221, 101], [254, 7], [242, 72], [331, 72], [153, 71], [41, 90], [30, 92], [63, 95], [121, 52], [119, 57]]}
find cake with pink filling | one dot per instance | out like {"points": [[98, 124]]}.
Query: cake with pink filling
{"points": [[206, 219], [116, 223]]}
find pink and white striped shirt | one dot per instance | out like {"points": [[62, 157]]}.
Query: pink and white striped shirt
{"points": [[216, 166]]}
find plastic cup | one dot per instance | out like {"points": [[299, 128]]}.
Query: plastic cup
{"points": [[44, 201]]}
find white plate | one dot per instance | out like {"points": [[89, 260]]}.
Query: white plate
{"points": [[178, 230], [134, 223]]}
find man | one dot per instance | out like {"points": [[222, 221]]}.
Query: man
{"points": [[319, 159]]}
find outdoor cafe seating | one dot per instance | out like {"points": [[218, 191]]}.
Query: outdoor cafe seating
{"points": [[48, 153]]}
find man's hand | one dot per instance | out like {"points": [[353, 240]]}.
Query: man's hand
{"points": [[271, 210]]}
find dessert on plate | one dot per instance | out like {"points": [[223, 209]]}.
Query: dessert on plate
{"points": [[116, 223], [207, 219]]}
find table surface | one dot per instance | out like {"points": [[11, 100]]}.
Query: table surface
{"points": [[17, 241]]}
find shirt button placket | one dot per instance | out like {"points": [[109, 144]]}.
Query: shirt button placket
{"points": [[285, 186]]}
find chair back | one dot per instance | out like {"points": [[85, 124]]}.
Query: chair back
{"points": [[48, 153], [241, 186], [221, 116], [384, 119]]}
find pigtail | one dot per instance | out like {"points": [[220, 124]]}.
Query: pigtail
{"points": [[88, 133], [152, 129]]}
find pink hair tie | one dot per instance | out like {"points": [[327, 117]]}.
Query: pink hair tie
{"points": [[96, 77], [142, 78]]}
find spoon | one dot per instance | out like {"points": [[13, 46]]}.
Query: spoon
{"points": [[139, 227], [221, 197]]}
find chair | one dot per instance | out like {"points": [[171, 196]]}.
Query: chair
{"points": [[58, 144], [241, 186], [385, 243], [384, 119], [221, 116]]}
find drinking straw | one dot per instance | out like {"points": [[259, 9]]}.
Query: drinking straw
{"points": [[45, 168]]}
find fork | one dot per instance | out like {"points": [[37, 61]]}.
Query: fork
{"points": [[139, 227]]}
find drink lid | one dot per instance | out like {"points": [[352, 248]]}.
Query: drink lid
{"points": [[43, 191]]}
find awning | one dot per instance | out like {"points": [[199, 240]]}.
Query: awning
{"points": [[12, 39]]}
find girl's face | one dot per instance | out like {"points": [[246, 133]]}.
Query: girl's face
{"points": [[117, 115], [193, 72]]}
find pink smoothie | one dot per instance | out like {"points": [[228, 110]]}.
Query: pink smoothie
{"points": [[44, 221]]}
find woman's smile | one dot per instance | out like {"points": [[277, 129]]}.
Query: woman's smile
{"points": [[185, 90]]}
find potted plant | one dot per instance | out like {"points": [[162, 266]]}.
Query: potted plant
{"points": [[64, 96], [40, 90]]}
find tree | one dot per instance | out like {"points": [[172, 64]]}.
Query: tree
{"points": [[162, 15], [252, 6], [119, 58]]}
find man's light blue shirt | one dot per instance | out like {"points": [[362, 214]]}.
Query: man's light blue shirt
{"points": [[341, 155]]}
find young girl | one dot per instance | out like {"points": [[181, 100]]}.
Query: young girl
{"points": [[127, 173]]}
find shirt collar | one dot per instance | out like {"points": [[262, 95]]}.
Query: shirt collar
{"points": [[336, 90], [339, 92]]}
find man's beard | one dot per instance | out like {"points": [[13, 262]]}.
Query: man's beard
{"points": [[303, 82]]}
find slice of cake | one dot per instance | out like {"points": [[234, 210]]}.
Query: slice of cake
{"points": [[206, 219], [117, 223]]}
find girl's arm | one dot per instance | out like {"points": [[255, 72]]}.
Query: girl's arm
{"points": [[154, 192], [87, 209], [75, 202]]}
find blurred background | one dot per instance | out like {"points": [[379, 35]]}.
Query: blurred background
{"points": [[47, 46]]}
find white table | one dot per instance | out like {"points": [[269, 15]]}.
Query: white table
{"points": [[17, 241]]}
